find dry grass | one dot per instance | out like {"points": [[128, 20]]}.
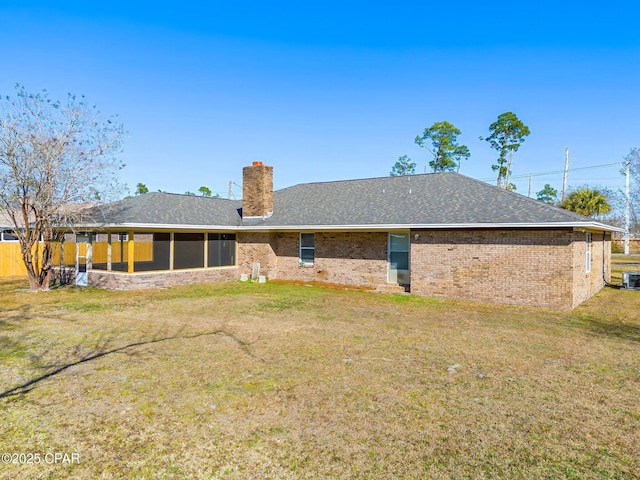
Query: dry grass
{"points": [[623, 263], [287, 381]]}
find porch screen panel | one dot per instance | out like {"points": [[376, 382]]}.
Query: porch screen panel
{"points": [[100, 251], [222, 249], [152, 252], [119, 252], [188, 250]]}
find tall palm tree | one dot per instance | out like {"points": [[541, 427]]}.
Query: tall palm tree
{"points": [[587, 201]]}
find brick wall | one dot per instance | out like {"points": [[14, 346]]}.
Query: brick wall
{"points": [[349, 258], [257, 247], [587, 284], [529, 267], [136, 281]]}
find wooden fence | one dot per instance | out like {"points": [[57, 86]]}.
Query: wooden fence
{"points": [[617, 245], [11, 263]]}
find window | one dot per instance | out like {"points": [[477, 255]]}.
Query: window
{"points": [[9, 236], [588, 253], [84, 237], [307, 248]]}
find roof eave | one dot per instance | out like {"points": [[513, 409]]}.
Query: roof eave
{"points": [[433, 226], [357, 227], [156, 226]]}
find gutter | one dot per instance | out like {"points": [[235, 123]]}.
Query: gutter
{"points": [[578, 226]]}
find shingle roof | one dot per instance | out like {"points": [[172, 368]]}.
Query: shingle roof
{"points": [[170, 209], [437, 199]]}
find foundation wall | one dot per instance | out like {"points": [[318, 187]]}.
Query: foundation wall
{"points": [[136, 281]]}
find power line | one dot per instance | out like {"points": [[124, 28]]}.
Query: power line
{"points": [[556, 172]]}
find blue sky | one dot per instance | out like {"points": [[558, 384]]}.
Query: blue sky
{"points": [[336, 90]]}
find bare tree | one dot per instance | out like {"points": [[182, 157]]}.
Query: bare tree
{"points": [[55, 158]]}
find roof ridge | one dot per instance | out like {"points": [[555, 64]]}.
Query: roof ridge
{"points": [[386, 177], [183, 195]]}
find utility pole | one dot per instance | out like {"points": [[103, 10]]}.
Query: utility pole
{"points": [[229, 190], [529, 194], [627, 219], [566, 169], [506, 177]]}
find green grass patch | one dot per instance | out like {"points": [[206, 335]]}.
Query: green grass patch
{"points": [[9, 348], [277, 380]]}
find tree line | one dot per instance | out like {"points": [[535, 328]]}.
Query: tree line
{"points": [[141, 189], [506, 135]]}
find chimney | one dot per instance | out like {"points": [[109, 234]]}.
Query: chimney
{"points": [[257, 190]]}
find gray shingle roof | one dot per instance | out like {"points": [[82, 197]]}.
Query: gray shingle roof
{"points": [[438, 198], [171, 209], [429, 199]]}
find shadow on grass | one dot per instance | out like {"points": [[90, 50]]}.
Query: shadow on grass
{"points": [[101, 349], [17, 315], [625, 331]]}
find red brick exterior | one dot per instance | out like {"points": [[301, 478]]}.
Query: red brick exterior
{"points": [[526, 267], [348, 258], [256, 248], [516, 266], [588, 284]]}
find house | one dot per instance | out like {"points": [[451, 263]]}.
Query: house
{"points": [[440, 234]]}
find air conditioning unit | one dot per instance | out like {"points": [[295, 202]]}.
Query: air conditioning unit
{"points": [[631, 280]]}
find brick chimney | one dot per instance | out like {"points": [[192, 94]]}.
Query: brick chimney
{"points": [[257, 190]]}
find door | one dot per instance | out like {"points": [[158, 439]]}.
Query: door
{"points": [[399, 258], [83, 253]]}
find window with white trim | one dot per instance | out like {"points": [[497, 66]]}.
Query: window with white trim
{"points": [[8, 236], [307, 248], [588, 253]]}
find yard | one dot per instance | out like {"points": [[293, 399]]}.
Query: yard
{"points": [[276, 380]]}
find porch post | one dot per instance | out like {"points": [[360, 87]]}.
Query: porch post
{"points": [[108, 252], [130, 253], [206, 249], [89, 253], [171, 250]]}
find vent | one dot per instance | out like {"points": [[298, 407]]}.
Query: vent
{"points": [[631, 280]]}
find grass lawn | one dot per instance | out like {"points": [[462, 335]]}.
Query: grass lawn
{"points": [[274, 380], [623, 263]]}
